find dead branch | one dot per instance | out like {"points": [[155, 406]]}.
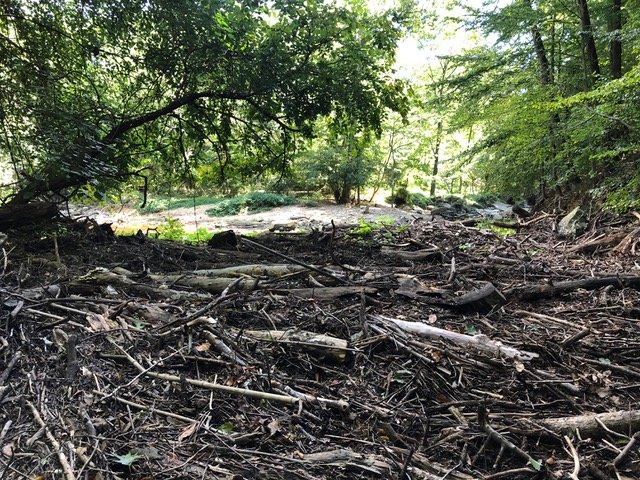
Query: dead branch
{"points": [[478, 342], [327, 293], [318, 343], [589, 425], [537, 292]]}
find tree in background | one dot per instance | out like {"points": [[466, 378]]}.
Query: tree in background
{"points": [[558, 114], [94, 90]]}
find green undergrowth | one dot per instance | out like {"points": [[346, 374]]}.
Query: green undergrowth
{"points": [[250, 203], [159, 204]]}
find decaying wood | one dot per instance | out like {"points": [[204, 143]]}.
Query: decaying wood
{"points": [[327, 293], [601, 241], [208, 284], [590, 425], [210, 378], [493, 435], [322, 344], [101, 277], [477, 342], [246, 392], [17, 215], [297, 262], [482, 299], [254, 270], [553, 289], [414, 256]]}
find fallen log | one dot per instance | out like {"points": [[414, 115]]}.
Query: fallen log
{"points": [[327, 293], [547, 290], [485, 298], [477, 342], [255, 270], [101, 277], [213, 285], [318, 343], [18, 215], [414, 256], [590, 425]]}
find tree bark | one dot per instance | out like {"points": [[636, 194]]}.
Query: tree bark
{"points": [[588, 43], [436, 158], [615, 46]]}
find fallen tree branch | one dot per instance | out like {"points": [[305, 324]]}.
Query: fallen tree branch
{"points": [[297, 262], [589, 425], [319, 343], [478, 342], [327, 293], [537, 292], [62, 458], [289, 400]]}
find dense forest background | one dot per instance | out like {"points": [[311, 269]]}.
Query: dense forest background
{"points": [[540, 99]]}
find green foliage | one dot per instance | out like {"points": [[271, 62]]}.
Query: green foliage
{"points": [[171, 229], [159, 204], [400, 197], [549, 126], [484, 200], [366, 229], [343, 160], [196, 92], [251, 203], [419, 200]]}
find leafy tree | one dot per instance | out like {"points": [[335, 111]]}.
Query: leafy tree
{"points": [[343, 160], [556, 113], [95, 90]]}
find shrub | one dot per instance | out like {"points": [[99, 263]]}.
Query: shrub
{"points": [[419, 200], [252, 202]]}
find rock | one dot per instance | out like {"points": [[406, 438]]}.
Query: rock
{"points": [[224, 240], [520, 212], [572, 224]]}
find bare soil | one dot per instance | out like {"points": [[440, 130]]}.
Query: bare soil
{"points": [[303, 217]]}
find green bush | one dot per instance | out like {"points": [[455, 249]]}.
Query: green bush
{"points": [[251, 202], [484, 199], [419, 200]]}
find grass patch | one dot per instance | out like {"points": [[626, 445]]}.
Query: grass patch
{"points": [[250, 203], [160, 204]]}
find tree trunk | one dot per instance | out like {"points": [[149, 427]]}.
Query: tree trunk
{"points": [[588, 43], [436, 158], [615, 47]]}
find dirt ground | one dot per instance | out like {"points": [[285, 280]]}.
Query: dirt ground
{"points": [[302, 217]]}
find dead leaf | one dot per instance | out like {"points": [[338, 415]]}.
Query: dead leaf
{"points": [[188, 431], [97, 322], [203, 347], [273, 427], [7, 450]]}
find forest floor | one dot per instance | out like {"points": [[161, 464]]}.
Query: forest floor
{"points": [[426, 349]]}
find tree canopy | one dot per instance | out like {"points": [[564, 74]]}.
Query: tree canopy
{"points": [[94, 90], [216, 92]]}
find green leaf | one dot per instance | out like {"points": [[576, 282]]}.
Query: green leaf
{"points": [[535, 464], [226, 427], [128, 459], [470, 330]]}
